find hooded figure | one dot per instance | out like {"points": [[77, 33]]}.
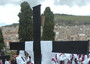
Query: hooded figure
{"points": [[21, 59], [55, 57], [85, 59], [88, 60], [65, 58], [74, 59]]}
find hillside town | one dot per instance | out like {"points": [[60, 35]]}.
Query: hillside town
{"points": [[63, 33], [10, 34], [75, 33]]}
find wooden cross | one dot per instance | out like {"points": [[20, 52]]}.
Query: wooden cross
{"points": [[77, 47]]}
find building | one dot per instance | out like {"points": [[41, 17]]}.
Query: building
{"points": [[63, 33], [10, 34], [69, 33]]}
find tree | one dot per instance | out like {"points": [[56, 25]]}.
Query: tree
{"points": [[25, 22], [48, 29], [1, 41]]}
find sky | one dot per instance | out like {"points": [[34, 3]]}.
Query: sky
{"points": [[9, 9]]}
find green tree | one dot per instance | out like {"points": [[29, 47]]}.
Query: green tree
{"points": [[48, 29], [1, 41], [25, 22]]}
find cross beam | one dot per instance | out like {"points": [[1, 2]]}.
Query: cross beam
{"points": [[17, 45], [76, 47]]}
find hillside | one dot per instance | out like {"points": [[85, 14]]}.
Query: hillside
{"points": [[69, 20], [63, 19], [14, 24]]}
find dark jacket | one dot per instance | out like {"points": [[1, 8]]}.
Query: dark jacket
{"points": [[13, 61]]}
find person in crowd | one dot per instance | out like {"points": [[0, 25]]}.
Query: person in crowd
{"points": [[84, 58], [79, 58], [61, 60], [88, 60], [1, 61], [64, 58], [20, 59], [13, 61], [7, 61], [2, 54], [23, 58], [55, 57], [74, 59]]}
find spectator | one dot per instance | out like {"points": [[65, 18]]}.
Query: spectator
{"points": [[1, 61], [13, 61]]}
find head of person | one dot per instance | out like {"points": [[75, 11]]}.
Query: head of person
{"points": [[14, 56]]}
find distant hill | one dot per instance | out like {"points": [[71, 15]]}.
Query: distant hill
{"points": [[64, 19], [14, 24]]}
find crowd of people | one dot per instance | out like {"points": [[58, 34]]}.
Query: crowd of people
{"points": [[63, 58], [21, 58], [57, 58]]}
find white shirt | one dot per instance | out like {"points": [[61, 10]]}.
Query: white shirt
{"points": [[7, 62], [75, 57], [21, 59], [65, 58], [85, 60]]}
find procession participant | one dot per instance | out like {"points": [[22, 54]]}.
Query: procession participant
{"points": [[84, 59], [55, 57], [74, 59], [21, 59], [64, 58], [88, 60], [69, 58], [60, 58], [79, 58], [1, 60]]}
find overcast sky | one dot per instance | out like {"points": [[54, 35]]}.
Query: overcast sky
{"points": [[9, 9]]}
